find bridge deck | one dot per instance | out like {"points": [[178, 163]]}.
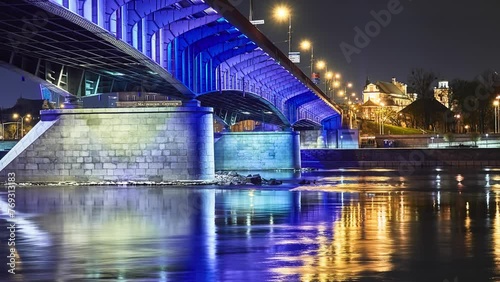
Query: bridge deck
{"points": [[178, 48]]}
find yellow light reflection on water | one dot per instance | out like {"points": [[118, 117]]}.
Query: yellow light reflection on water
{"points": [[496, 233], [364, 239]]}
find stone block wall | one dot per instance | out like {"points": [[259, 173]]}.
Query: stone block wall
{"points": [[257, 151], [150, 144], [312, 139]]}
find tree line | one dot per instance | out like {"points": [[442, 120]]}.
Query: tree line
{"points": [[471, 100]]}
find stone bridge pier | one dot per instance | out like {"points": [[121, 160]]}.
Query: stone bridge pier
{"points": [[120, 144], [257, 151]]}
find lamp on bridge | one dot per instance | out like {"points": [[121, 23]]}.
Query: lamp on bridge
{"points": [[283, 13], [343, 92], [321, 65], [348, 85], [306, 45]]}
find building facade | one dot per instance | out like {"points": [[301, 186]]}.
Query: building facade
{"points": [[382, 94]]}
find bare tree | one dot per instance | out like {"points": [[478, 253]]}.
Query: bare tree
{"points": [[485, 94], [422, 82], [473, 99]]}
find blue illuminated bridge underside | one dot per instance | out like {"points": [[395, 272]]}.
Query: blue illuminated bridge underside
{"points": [[190, 49]]}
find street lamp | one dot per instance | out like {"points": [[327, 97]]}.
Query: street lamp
{"points": [[283, 13], [321, 65], [352, 115], [306, 45], [458, 122], [328, 78], [348, 85], [381, 119], [495, 104], [21, 119], [329, 75], [341, 93]]}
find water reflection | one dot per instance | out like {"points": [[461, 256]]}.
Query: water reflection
{"points": [[428, 229]]}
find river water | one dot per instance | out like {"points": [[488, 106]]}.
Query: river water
{"points": [[352, 225]]}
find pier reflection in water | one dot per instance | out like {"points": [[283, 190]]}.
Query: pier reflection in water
{"points": [[369, 226]]}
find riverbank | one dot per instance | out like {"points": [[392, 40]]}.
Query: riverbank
{"points": [[222, 178]]}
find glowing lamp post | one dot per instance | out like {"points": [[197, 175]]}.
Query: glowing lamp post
{"points": [[381, 119], [348, 85], [328, 78], [282, 13], [20, 119], [458, 123], [343, 92], [495, 104], [321, 65], [306, 45]]}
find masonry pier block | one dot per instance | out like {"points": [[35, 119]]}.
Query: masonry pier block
{"points": [[120, 144], [257, 151]]}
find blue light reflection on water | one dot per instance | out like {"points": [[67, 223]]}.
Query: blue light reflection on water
{"points": [[368, 227]]}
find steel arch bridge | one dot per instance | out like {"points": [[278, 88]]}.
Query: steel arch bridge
{"points": [[198, 49]]}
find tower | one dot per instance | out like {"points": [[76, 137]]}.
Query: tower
{"points": [[442, 93]]}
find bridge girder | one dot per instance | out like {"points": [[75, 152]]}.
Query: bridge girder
{"points": [[250, 62], [243, 59], [165, 29]]}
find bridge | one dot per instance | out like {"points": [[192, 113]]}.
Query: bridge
{"points": [[204, 53]]}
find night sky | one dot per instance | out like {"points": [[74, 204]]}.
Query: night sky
{"points": [[457, 39]]}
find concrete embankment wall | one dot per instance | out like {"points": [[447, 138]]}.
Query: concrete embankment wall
{"points": [[257, 151], [437, 141], [155, 144], [394, 158]]}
